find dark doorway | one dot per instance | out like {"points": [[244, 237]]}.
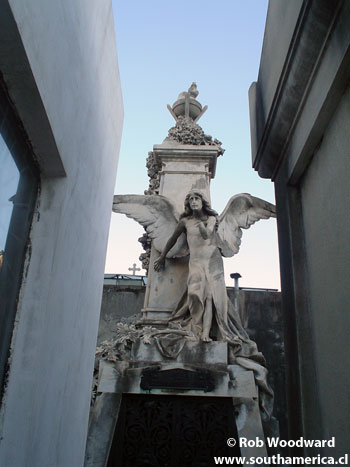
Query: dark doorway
{"points": [[172, 431]]}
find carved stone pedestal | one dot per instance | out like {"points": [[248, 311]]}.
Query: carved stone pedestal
{"points": [[167, 364], [184, 167], [199, 370]]}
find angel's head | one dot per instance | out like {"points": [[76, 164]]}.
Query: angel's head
{"points": [[197, 198]]}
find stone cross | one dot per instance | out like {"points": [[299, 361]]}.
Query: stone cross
{"points": [[134, 269]]}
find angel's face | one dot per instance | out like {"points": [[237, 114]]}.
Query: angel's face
{"points": [[195, 202]]}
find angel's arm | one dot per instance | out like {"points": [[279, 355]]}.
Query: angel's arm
{"points": [[180, 228]]}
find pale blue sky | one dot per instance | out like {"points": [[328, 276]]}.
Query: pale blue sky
{"points": [[162, 47], [9, 177]]}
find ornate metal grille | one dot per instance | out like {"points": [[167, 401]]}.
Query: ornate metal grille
{"points": [[172, 431]]}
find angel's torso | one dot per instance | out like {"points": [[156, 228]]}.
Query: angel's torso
{"points": [[206, 264], [200, 248]]}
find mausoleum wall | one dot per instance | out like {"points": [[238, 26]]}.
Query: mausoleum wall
{"points": [[324, 189], [65, 87], [299, 126]]}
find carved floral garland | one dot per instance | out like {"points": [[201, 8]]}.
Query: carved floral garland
{"points": [[118, 348], [187, 132]]}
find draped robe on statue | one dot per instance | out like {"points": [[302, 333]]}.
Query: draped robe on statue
{"points": [[206, 281], [207, 240]]}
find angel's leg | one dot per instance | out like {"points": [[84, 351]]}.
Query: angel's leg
{"points": [[196, 296], [207, 319], [196, 310]]}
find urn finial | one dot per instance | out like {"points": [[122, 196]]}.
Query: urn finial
{"points": [[187, 106]]}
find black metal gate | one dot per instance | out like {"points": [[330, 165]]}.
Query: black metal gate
{"points": [[172, 431]]}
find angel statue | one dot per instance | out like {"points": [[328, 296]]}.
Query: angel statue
{"points": [[205, 236], [200, 232]]}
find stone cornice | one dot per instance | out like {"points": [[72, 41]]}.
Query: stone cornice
{"points": [[316, 22], [186, 151]]}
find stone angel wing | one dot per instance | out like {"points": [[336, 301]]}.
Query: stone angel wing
{"points": [[241, 212], [157, 215]]}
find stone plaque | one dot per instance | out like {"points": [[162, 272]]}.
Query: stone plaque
{"points": [[177, 379]]}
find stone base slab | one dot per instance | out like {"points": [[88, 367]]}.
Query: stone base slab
{"points": [[233, 382]]}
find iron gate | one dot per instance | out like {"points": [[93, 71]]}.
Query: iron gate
{"points": [[172, 431]]}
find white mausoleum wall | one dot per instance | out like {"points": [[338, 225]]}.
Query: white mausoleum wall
{"points": [[72, 53]]}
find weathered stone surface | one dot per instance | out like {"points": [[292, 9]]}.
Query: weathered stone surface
{"points": [[261, 315], [187, 132], [122, 303], [58, 61], [203, 346], [206, 237], [260, 312], [126, 377], [259, 309], [192, 353], [300, 134], [101, 429], [229, 381], [204, 301]]}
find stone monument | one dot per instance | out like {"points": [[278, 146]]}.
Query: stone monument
{"points": [[190, 340]]}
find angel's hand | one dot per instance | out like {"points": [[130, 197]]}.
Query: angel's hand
{"points": [[216, 223], [202, 229], [159, 263]]}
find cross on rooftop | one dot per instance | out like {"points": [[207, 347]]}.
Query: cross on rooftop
{"points": [[134, 269]]}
